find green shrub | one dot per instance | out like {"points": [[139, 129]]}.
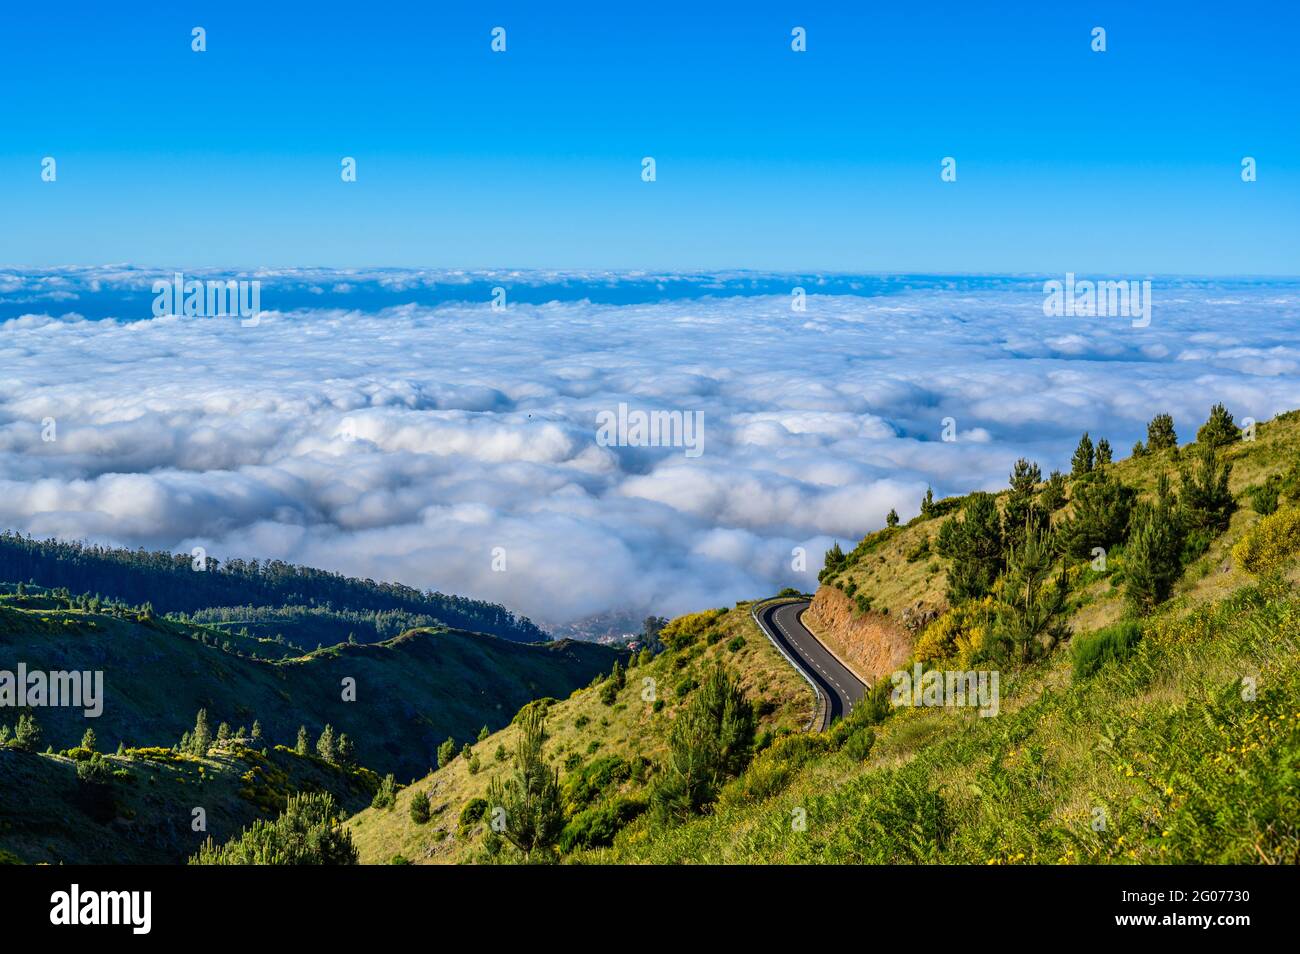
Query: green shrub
{"points": [[420, 808], [588, 783], [597, 826], [1264, 497], [736, 643], [858, 745], [684, 630], [473, 812], [95, 770], [1090, 651]]}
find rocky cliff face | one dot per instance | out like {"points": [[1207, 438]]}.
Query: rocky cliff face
{"points": [[872, 644]]}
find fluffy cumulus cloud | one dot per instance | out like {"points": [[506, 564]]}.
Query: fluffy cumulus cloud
{"points": [[409, 441]]}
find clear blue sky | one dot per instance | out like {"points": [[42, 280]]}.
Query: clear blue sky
{"points": [[1126, 161]]}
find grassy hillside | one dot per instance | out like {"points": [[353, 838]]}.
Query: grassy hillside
{"points": [[893, 571], [1166, 733], [412, 691], [605, 751], [1160, 749], [145, 815]]}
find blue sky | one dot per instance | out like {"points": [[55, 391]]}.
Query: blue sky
{"points": [[1125, 161]]}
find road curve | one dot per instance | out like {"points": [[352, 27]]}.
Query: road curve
{"points": [[841, 690]]}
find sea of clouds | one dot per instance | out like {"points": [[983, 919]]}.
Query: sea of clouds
{"points": [[408, 441]]}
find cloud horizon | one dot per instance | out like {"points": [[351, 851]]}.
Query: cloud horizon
{"points": [[421, 443]]}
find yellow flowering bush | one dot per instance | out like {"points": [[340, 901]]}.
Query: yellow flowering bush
{"points": [[960, 632], [1268, 544]]}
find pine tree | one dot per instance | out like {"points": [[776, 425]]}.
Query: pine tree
{"points": [[973, 544], [709, 742], [201, 737], [27, 733], [303, 745], [891, 518], [386, 795], [1139, 449], [1100, 515], [483, 733], [1084, 457], [1161, 434], [446, 752], [325, 745], [833, 561], [346, 755], [927, 502], [223, 732], [1152, 559], [88, 740], [1033, 599], [1053, 498], [1022, 512], [533, 814], [257, 733], [1219, 430], [1103, 452], [1207, 502]]}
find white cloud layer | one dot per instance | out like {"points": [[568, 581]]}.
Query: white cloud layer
{"points": [[406, 443]]}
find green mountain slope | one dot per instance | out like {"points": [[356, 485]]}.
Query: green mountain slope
{"points": [[608, 745], [411, 692]]}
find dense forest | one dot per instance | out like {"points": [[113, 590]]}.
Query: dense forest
{"points": [[307, 626], [171, 584]]}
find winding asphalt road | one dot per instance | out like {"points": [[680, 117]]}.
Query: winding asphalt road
{"points": [[782, 622]]}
